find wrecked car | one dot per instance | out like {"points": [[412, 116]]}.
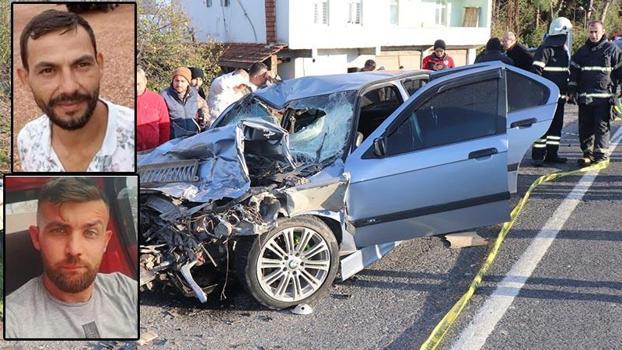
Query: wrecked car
{"points": [[323, 175]]}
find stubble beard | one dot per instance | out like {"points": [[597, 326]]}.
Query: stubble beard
{"points": [[72, 123], [72, 282]]}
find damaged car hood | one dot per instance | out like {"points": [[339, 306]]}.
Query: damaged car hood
{"points": [[215, 164]]}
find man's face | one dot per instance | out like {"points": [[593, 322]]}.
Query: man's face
{"points": [[196, 82], [260, 78], [64, 76], [439, 52], [72, 239], [508, 41], [180, 84], [141, 84], [596, 32]]}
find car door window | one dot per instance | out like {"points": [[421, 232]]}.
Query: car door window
{"points": [[412, 85], [376, 106], [457, 114], [524, 92]]}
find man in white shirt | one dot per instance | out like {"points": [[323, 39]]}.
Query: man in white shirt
{"points": [[72, 299], [228, 88], [79, 131]]}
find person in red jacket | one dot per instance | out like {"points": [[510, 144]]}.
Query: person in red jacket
{"points": [[152, 117], [438, 60]]}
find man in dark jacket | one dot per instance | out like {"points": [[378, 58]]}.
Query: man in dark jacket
{"points": [[551, 61], [595, 69], [493, 52], [197, 80], [517, 52], [187, 110]]}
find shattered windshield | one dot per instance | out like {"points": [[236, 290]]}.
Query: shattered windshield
{"points": [[319, 126], [248, 109]]}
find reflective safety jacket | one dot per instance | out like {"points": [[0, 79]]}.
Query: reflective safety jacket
{"points": [[595, 69], [551, 61]]}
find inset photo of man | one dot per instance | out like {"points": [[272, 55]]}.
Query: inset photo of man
{"points": [[79, 71], [71, 257]]}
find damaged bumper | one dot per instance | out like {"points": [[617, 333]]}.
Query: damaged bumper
{"points": [[200, 194]]}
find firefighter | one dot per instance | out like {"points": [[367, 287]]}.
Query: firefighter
{"points": [[595, 69], [551, 61]]}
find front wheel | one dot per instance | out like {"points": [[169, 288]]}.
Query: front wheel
{"points": [[292, 264]]}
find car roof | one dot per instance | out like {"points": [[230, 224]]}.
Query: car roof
{"points": [[289, 90]]}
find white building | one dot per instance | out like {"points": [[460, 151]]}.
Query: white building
{"points": [[309, 37]]}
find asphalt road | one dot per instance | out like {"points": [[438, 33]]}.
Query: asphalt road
{"points": [[573, 298]]}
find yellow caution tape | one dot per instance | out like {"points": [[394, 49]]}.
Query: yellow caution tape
{"points": [[436, 337]]}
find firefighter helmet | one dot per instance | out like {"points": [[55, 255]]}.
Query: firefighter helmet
{"points": [[560, 25]]}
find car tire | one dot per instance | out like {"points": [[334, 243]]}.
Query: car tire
{"points": [[288, 277]]}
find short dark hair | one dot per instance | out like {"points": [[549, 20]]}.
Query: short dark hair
{"points": [[494, 44], [591, 23], [370, 64], [71, 189], [256, 68], [49, 21]]}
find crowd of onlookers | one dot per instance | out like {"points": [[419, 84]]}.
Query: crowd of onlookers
{"points": [[184, 108], [588, 78]]}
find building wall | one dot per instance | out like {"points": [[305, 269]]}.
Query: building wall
{"points": [[333, 48], [337, 61], [228, 24], [294, 23], [415, 25]]}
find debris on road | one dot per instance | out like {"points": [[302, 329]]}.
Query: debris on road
{"points": [[146, 338], [302, 309], [465, 240]]}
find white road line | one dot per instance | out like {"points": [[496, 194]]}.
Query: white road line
{"points": [[479, 329]]}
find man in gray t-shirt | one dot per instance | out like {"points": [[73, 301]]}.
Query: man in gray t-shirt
{"points": [[71, 299], [32, 312]]}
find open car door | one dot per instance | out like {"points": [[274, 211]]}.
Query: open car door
{"points": [[438, 164], [532, 101]]}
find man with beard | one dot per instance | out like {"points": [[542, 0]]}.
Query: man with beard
{"points": [[79, 131], [71, 299], [187, 110]]}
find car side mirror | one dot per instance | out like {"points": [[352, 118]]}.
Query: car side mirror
{"points": [[380, 147]]}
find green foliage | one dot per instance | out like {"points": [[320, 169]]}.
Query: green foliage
{"points": [[580, 36], [535, 16], [166, 41], [534, 38]]}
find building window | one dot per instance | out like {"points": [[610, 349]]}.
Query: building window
{"points": [[394, 12], [354, 12], [440, 12], [320, 12], [208, 3]]}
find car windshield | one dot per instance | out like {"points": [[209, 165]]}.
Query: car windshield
{"points": [[318, 126], [249, 108]]}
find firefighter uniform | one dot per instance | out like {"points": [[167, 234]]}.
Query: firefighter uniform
{"points": [[595, 69], [551, 61]]}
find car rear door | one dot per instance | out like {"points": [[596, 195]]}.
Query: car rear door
{"points": [[438, 164], [532, 101]]}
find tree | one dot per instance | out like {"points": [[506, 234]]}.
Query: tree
{"points": [[166, 41], [530, 19]]}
